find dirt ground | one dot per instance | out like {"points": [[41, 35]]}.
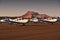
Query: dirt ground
{"points": [[32, 31]]}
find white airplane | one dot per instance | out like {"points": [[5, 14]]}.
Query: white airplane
{"points": [[2, 20], [34, 20], [50, 20], [19, 20]]}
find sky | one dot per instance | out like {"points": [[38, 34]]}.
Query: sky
{"points": [[20, 7]]}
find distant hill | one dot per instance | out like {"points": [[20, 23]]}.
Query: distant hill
{"points": [[33, 14]]}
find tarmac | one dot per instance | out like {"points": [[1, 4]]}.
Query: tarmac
{"points": [[31, 31]]}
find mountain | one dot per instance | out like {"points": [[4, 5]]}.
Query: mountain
{"points": [[33, 14], [28, 14], [43, 15]]}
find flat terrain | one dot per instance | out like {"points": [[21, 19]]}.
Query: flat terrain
{"points": [[32, 31]]}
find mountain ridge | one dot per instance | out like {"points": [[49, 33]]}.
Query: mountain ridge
{"points": [[30, 14]]}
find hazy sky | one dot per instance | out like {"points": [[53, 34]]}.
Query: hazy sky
{"points": [[20, 7]]}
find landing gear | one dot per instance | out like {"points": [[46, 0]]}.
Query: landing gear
{"points": [[24, 24], [52, 22]]}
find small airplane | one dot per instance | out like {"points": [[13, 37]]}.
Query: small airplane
{"points": [[35, 20], [50, 20], [18, 20], [2, 21]]}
